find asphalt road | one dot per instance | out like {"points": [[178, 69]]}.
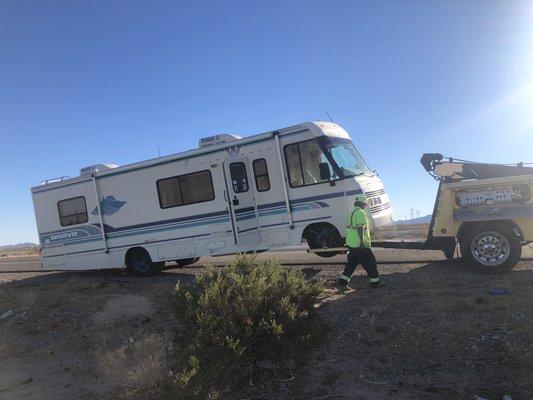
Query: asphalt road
{"points": [[291, 257]]}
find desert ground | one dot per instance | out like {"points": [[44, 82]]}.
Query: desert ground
{"points": [[434, 330]]}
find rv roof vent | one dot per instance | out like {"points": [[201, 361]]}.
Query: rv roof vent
{"points": [[96, 168], [217, 139]]}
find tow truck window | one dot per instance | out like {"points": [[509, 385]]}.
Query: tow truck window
{"points": [[303, 160]]}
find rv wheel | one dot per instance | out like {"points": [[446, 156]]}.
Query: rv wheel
{"points": [[323, 236], [140, 263], [492, 248]]}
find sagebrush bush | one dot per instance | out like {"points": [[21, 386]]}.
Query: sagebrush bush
{"points": [[241, 324]]}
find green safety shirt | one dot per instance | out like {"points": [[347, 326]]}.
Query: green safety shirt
{"points": [[357, 218]]}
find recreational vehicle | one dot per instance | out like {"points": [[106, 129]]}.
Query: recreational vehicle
{"points": [[230, 195]]}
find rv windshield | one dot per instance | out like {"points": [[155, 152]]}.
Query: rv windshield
{"points": [[345, 156]]}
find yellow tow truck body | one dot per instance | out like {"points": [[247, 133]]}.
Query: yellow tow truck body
{"points": [[452, 216], [486, 209]]}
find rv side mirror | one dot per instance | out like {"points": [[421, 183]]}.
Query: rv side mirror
{"points": [[325, 173]]}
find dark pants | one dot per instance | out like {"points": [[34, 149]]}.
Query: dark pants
{"points": [[366, 258]]}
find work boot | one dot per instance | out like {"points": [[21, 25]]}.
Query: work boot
{"points": [[374, 282], [342, 282]]}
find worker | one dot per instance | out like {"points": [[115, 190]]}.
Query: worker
{"points": [[358, 243]]}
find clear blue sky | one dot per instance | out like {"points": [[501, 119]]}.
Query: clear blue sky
{"points": [[83, 82]]}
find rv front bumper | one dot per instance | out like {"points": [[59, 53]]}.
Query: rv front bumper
{"points": [[382, 219]]}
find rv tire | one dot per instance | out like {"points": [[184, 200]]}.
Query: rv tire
{"points": [[323, 236], [139, 262]]}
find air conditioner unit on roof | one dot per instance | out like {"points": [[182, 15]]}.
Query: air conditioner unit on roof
{"points": [[96, 168], [217, 139]]}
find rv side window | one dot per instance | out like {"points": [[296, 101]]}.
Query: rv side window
{"points": [[303, 163], [294, 166], [169, 192], [72, 211], [185, 189], [197, 187], [239, 180], [262, 182]]}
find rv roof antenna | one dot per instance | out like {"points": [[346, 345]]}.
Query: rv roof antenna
{"points": [[329, 116], [158, 151]]}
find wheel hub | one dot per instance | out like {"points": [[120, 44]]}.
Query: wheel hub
{"points": [[490, 248], [141, 262], [324, 237]]}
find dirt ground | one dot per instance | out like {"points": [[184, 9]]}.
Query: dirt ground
{"points": [[434, 330], [24, 252]]}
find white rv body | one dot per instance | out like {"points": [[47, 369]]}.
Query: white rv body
{"points": [[124, 209]]}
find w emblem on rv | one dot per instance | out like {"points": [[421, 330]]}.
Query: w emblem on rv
{"points": [[233, 151], [109, 206]]}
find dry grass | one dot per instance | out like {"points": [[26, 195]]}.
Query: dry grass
{"points": [[124, 308], [25, 252], [137, 366]]}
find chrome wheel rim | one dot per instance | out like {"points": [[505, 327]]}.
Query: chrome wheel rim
{"points": [[490, 248]]}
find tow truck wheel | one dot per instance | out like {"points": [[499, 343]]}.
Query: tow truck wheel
{"points": [[492, 248], [322, 236]]}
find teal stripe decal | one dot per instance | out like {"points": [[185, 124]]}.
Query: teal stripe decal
{"points": [[82, 236]]}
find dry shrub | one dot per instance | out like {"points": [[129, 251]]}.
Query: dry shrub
{"points": [[124, 308], [137, 367], [242, 327]]}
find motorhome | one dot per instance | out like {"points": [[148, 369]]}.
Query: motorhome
{"points": [[230, 195]]}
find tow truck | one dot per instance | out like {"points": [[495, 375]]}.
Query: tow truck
{"points": [[484, 209]]}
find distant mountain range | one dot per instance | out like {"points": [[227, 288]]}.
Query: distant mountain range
{"points": [[18, 246], [426, 219]]}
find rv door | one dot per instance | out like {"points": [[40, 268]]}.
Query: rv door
{"points": [[242, 202]]}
